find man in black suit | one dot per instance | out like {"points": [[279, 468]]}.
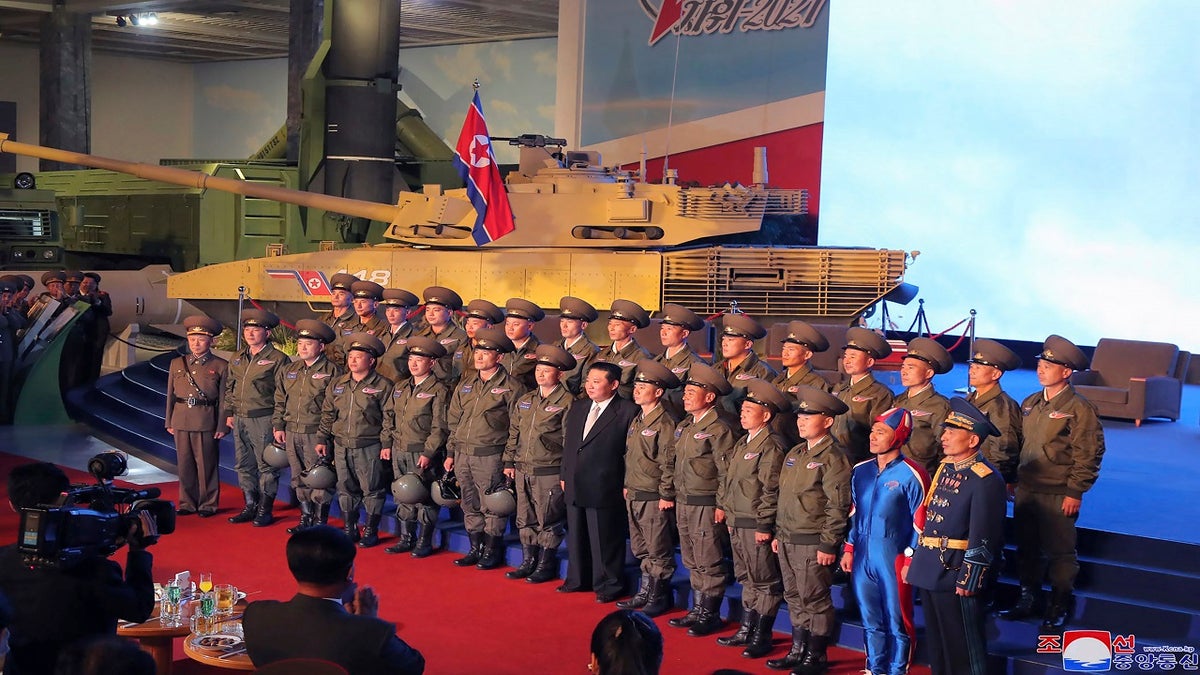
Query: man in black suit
{"points": [[54, 608], [593, 475], [339, 620]]}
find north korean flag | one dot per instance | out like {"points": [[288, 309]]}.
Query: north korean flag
{"points": [[475, 162]]}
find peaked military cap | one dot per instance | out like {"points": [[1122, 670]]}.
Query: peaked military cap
{"points": [[426, 346], [27, 279], [316, 330], [495, 340], [53, 276], [813, 401], [93, 276], [742, 325], [678, 315], [364, 342], [628, 310], [74, 277], [342, 281], [867, 341], [574, 308], [202, 325], [260, 318], [555, 356], [653, 372], [398, 297], [1060, 350], [801, 333], [931, 352], [482, 309], [367, 289], [524, 309], [702, 375], [992, 353], [9, 284], [765, 394], [963, 415], [440, 295]]}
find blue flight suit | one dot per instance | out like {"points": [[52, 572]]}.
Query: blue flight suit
{"points": [[887, 513]]}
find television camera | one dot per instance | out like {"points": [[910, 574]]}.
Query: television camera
{"points": [[93, 520]]}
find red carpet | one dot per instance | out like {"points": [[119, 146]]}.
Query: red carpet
{"points": [[463, 621]]}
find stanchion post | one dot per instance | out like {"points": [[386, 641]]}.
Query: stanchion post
{"points": [[970, 344], [238, 327]]}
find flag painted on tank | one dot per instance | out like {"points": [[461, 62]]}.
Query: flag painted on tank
{"points": [[313, 282], [476, 163]]}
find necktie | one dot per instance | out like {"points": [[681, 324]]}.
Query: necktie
{"points": [[593, 415]]}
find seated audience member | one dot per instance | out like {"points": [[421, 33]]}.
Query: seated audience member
{"points": [[5, 619], [56, 607], [329, 617], [101, 656], [626, 643]]}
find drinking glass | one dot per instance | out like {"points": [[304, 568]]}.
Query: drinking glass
{"points": [[206, 582], [226, 598]]}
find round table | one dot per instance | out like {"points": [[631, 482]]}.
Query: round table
{"points": [[236, 662], [156, 639]]}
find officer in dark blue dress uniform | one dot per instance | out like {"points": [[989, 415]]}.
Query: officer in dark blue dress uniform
{"points": [[953, 563]]}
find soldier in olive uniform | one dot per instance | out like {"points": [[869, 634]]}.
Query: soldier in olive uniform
{"points": [[341, 317], [520, 315], [479, 418], [955, 559], [625, 317], [195, 389], [440, 305], [703, 443], [11, 320], [418, 414], [21, 297], [480, 315], [866, 397], [739, 363], [533, 459], [799, 345], [678, 323], [649, 489], [812, 510], [53, 281], [249, 404], [989, 361], [300, 388], [101, 302], [1060, 460], [574, 315], [367, 295], [354, 420], [753, 474], [925, 358], [396, 304]]}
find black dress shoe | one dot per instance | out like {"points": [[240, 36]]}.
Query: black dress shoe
{"points": [[185, 512], [207, 514], [603, 598], [564, 588]]}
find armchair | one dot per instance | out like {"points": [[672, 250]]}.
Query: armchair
{"points": [[1131, 379]]}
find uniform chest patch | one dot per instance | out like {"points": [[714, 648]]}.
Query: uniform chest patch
{"points": [[679, 370], [578, 357], [649, 432], [790, 461], [812, 465], [524, 405], [339, 390], [320, 376], [626, 364], [402, 341], [237, 362], [793, 389], [458, 354], [293, 375], [678, 433], [921, 413], [425, 394], [743, 376], [1058, 415], [531, 356], [371, 390], [466, 388], [347, 331], [449, 341], [702, 435], [500, 390], [892, 484], [861, 399], [264, 362], [554, 408], [751, 455]]}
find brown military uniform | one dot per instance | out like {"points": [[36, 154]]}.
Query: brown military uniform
{"points": [[702, 451], [353, 421], [449, 368], [867, 398], [626, 359], [418, 412], [784, 423], [584, 350], [342, 324], [750, 368], [753, 472], [520, 363], [299, 399], [373, 325], [250, 401], [678, 363], [928, 409], [649, 456], [394, 363], [1003, 451], [194, 413], [534, 449]]}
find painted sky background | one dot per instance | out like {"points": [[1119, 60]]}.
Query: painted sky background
{"points": [[1043, 157]]}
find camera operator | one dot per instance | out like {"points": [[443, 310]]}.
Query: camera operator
{"points": [[54, 607]]}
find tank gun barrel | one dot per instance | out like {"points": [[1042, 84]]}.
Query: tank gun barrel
{"points": [[532, 140], [386, 213]]}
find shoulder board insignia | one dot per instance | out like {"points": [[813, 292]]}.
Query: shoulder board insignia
{"points": [[679, 370], [1059, 415], [751, 455], [554, 408], [744, 376], [981, 469], [292, 375], [860, 398], [790, 461], [425, 394], [525, 405], [371, 390], [531, 355], [813, 465], [320, 376], [449, 341], [625, 364], [500, 390], [921, 413], [466, 388], [264, 362], [702, 435]]}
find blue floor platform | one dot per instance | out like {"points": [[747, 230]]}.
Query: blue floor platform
{"points": [[1139, 539]]}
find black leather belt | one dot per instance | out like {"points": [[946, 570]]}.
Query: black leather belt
{"points": [[193, 402]]}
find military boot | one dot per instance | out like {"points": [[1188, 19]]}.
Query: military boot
{"points": [[306, 518], [815, 660], [265, 515], [709, 620], [424, 546], [351, 525], [640, 598], [528, 563], [1058, 611], [760, 642], [493, 552], [796, 654], [472, 555], [370, 533], [547, 567], [1025, 606], [408, 530], [249, 511], [659, 601], [689, 619], [744, 632], [321, 514]]}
